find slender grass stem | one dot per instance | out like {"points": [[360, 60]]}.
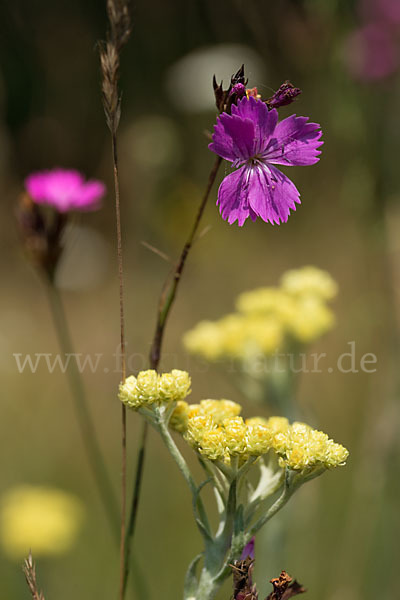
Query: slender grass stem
{"points": [[166, 302], [82, 411], [118, 13], [135, 501], [123, 359]]}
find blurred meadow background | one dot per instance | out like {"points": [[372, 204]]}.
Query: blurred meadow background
{"points": [[341, 535]]}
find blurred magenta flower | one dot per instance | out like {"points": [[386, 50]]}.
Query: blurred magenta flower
{"points": [[387, 11], [251, 138], [65, 190], [371, 52]]}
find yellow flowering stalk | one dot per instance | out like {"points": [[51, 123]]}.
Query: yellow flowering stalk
{"points": [[42, 518], [285, 455], [282, 456]]}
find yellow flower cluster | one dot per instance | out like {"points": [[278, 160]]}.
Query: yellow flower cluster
{"points": [[216, 430], [302, 448], [149, 387], [234, 336], [43, 519], [269, 317]]}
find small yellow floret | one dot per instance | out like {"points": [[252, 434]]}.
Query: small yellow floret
{"points": [[257, 421], [179, 418], [46, 520], [235, 435], [219, 410], [182, 384], [197, 427], [278, 424], [149, 387], [259, 438], [127, 392], [212, 444]]}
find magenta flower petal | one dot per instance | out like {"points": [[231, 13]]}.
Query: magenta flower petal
{"points": [[64, 190], [233, 198], [90, 195], [252, 139], [261, 191], [271, 194], [264, 120], [296, 142], [233, 138]]}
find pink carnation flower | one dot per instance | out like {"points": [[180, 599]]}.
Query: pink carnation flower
{"points": [[254, 142], [65, 190]]}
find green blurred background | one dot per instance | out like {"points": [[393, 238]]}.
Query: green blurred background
{"points": [[342, 537]]}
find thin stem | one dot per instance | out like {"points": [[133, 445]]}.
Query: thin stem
{"points": [[287, 493], [215, 476], [119, 254], [181, 463], [82, 411], [178, 458], [135, 501], [123, 359], [165, 305]]}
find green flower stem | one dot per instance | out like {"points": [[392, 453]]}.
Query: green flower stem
{"points": [[184, 469], [287, 492], [293, 481], [213, 474], [275, 484], [207, 587], [217, 555], [82, 411]]}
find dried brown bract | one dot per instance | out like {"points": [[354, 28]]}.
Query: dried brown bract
{"points": [[110, 51], [243, 588], [225, 98], [29, 569], [284, 95], [285, 587]]}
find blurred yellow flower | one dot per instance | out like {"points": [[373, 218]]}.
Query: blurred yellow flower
{"points": [[265, 300], [44, 519], [311, 319], [309, 281], [269, 319]]}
